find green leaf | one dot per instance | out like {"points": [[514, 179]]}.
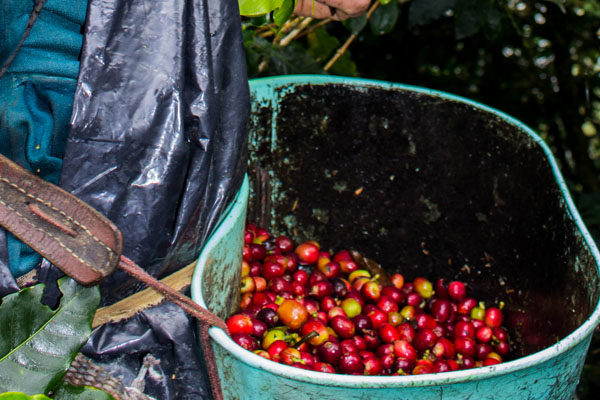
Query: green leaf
{"points": [[283, 13], [473, 15], [344, 66], [22, 396], [384, 18], [69, 392], [253, 8], [321, 44], [291, 59], [38, 344], [422, 12], [355, 25], [469, 18]]}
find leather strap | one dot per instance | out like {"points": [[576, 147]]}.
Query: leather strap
{"points": [[63, 229]]}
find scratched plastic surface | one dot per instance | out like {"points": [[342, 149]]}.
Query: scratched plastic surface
{"points": [[543, 371]]}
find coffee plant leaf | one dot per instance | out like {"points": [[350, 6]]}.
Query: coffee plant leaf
{"points": [[422, 12], [252, 8], [283, 13], [321, 44], [384, 18], [355, 25], [22, 396], [38, 344], [67, 391]]}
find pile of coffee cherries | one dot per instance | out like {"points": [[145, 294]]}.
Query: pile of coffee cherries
{"points": [[311, 309]]}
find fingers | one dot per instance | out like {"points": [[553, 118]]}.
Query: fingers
{"points": [[336, 9], [347, 8], [315, 9]]}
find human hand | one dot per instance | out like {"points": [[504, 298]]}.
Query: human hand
{"points": [[335, 9]]}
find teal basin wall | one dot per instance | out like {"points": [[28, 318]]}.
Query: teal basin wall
{"points": [[548, 373]]}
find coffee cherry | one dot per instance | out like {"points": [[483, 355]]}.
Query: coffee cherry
{"points": [[443, 348], [406, 332], [441, 310], [395, 318], [321, 332], [388, 333], [343, 326], [502, 348], [331, 270], [482, 351], [386, 304], [324, 367], [348, 266], [466, 305], [284, 244], [425, 321], [397, 280], [403, 365], [424, 339], [275, 348], [257, 251], [464, 329], [271, 336], [336, 312], [457, 290], [349, 347], [330, 352], [272, 269], [413, 299], [393, 293], [493, 317], [403, 349], [377, 317], [341, 287], [248, 285], [258, 328], [441, 366], [440, 289], [292, 313], [371, 291], [321, 289], [423, 287], [478, 312], [351, 364], [308, 252], [484, 334], [351, 307], [372, 366], [465, 346], [245, 340], [239, 323], [290, 355]]}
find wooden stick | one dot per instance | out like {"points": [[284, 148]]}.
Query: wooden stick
{"points": [[286, 40], [314, 27], [143, 299]]}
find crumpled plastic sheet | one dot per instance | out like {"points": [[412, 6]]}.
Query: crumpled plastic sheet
{"points": [[158, 142], [120, 348]]}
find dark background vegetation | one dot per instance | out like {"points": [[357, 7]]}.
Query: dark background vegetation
{"points": [[538, 61]]}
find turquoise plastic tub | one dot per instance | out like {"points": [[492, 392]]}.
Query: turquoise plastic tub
{"points": [[504, 223]]}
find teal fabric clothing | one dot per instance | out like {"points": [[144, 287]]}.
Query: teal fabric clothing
{"points": [[36, 93]]}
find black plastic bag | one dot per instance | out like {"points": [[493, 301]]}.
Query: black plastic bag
{"points": [[158, 145], [158, 140]]}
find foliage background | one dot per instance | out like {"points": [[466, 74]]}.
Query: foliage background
{"points": [[538, 61]]}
